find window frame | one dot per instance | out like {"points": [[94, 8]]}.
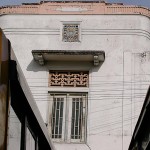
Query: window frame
{"points": [[66, 127]]}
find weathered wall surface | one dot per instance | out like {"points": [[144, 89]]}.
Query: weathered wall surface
{"points": [[117, 88], [3, 90]]}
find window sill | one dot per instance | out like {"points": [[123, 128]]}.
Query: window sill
{"points": [[63, 142], [68, 89]]}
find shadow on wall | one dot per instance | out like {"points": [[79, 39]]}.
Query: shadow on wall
{"points": [[34, 66], [58, 65], [96, 68]]}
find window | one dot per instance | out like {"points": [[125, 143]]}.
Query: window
{"points": [[70, 32], [68, 116]]}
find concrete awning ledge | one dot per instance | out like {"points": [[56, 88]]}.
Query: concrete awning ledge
{"points": [[95, 56]]}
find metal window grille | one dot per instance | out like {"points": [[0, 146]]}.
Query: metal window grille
{"points": [[68, 117], [57, 112], [76, 124]]}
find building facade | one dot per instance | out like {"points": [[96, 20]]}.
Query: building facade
{"points": [[21, 124], [86, 64]]}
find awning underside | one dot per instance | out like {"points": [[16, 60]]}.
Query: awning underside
{"points": [[42, 56]]}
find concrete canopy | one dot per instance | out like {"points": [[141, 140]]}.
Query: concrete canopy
{"points": [[41, 56]]}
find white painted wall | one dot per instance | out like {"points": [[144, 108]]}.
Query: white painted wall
{"points": [[117, 87]]}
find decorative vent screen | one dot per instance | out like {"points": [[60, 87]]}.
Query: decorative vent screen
{"points": [[71, 33], [68, 79]]}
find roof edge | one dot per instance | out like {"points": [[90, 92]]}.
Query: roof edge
{"points": [[74, 7]]}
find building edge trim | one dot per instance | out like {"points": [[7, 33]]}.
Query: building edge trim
{"points": [[79, 8]]}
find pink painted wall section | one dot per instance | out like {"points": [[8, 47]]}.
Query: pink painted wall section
{"points": [[77, 8]]}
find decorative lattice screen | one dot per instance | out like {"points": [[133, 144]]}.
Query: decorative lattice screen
{"points": [[71, 33], [68, 79]]}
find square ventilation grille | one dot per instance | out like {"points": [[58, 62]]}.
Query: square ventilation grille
{"points": [[70, 33]]}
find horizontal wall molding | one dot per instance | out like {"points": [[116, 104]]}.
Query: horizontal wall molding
{"points": [[47, 31]]}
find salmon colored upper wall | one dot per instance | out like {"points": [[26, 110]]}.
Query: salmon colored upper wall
{"points": [[77, 8]]}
